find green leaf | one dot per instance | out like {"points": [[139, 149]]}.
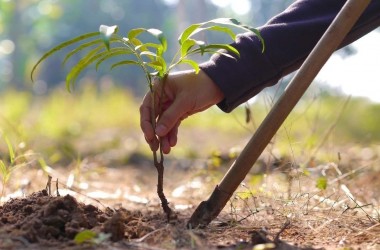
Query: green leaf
{"points": [[164, 66], [192, 63], [159, 65], [212, 49], [81, 65], [154, 74], [5, 172], [43, 165], [112, 53], [132, 34], [321, 183], [225, 30], [224, 54], [202, 51], [188, 44], [196, 28], [61, 46], [107, 32], [84, 236], [125, 62], [160, 36], [230, 22], [3, 169], [89, 44], [237, 24], [146, 47], [80, 48], [135, 32], [11, 152], [223, 46], [148, 53], [133, 41], [90, 58], [155, 65], [187, 32]]}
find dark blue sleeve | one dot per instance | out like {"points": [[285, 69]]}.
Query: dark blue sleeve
{"points": [[289, 38]]}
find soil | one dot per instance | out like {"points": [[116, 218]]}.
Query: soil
{"points": [[118, 206], [42, 221]]}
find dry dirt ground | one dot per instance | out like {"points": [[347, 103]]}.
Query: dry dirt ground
{"points": [[120, 210]]}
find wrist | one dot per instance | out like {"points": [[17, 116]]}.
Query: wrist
{"points": [[212, 89]]}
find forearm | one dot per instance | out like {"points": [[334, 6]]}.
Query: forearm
{"points": [[289, 38]]}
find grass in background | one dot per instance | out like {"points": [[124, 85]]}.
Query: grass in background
{"points": [[61, 116], [64, 128]]}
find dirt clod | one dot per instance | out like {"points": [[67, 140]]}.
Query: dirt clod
{"points": [[115, 226], [44, 219]]}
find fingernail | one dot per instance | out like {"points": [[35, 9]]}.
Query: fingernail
{"points": [[160, 130]]}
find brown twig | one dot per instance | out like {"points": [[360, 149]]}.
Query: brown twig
{"points": [[56, 185], [285, 226], [159, 164], [48, 185], [160, 184]]}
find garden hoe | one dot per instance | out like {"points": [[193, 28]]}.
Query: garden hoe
{"points": [[332, 38]]}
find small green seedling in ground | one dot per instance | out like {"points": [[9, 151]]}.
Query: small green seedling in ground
{"points": [[88, 236], [5, 168], [9, 165], [106, 44]]}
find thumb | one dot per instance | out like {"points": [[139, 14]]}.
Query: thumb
{"points": [[170, 117]]}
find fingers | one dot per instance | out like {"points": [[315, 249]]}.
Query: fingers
{"points": [[168, 137], [173, 135], [184, 93], [171, 118], [170, 140], [146, 123]]}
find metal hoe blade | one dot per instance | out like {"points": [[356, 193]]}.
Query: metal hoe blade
{"points": [[331, 39]]}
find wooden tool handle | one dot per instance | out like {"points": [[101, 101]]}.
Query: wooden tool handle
{"points": [[329, 42]]}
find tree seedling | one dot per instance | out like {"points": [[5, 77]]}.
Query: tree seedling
{"points": [[106, 44], [8, 166], [5, 168]]}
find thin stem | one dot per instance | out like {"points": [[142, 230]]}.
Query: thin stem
{"points": [[172, 64], [160, 184], [159, 164]]}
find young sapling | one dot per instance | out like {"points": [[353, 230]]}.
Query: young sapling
{"points": [[98, 47]]}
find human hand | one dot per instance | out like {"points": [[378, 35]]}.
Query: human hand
{"points": [[185, 93]]}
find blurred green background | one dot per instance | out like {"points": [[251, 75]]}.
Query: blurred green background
{"points": [[30, 27], [102, 113]]}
